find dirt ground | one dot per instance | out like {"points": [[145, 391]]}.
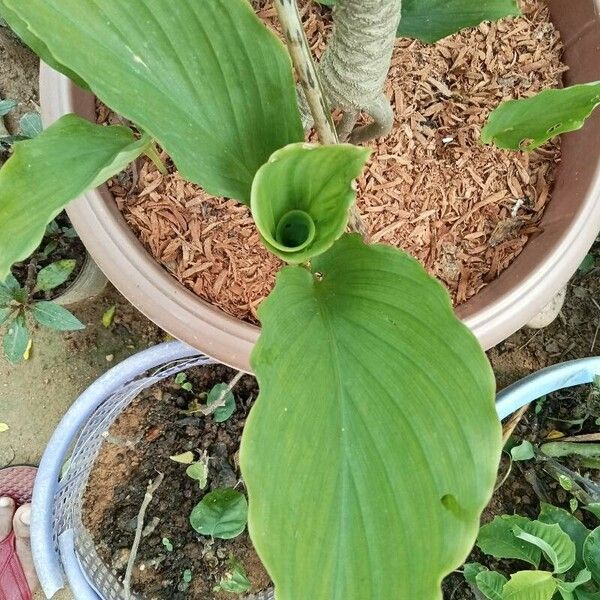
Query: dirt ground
{"points": [[35, 394]]}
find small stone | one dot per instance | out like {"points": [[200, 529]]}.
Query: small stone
{"points": [[110, 357]]}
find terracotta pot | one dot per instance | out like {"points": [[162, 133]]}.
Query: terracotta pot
{"points": [[570, 225]]}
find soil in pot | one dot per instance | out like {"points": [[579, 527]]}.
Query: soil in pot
{"points": [[568, 413], [465, 210], [153, 428]]}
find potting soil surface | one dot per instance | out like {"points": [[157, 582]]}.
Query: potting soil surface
{"points": [[465, 210], [138, 447]]}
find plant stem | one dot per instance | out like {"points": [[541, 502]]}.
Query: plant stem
{"points": [[291, 23], [152, 487], [154, 156], [289, 16]]}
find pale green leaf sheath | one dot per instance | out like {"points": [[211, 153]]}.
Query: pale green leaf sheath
{"points": [[432, 20], [527, 124], [301, 198], [205, 78], [376, 415], [46, 173]]}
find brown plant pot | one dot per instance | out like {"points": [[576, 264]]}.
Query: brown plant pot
{"points": [[569, 226]]}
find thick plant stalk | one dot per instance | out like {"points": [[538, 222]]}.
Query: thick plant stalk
{"points": [[291, 23], [289, 17], [355, 65]]}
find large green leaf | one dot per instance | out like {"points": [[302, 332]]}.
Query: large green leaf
{"points": [[498, 539], [46, 173], [527, 124], [432, 20], [530, 585], [571, 525], [570, 586], [36, 44], [301, 197], [591, 554], [375, 420], [205, 78], [556, 545]]}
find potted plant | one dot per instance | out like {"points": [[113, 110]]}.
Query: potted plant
{"points": [[360, 350], [499, 309]]}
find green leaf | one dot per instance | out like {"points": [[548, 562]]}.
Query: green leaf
{"points": [[570, 586], [185, 458], [490, 584], [375, 417], [235, 580], [432, 20], [591, 553], [217, 85], [50, 314], [471, 570], [166, 542], [222, 514], [54, 275], [301, 198], [524, 451], [587, 264], [46, 173], [5, 313], [498, 540], [187, 576], [9, 289], [527, 124], [571, 525], [227, 407], [530, 585], [16, 340], [31, 124], [198, 471], [108, 316], [6, 105], [585, 595], [556, 545]]}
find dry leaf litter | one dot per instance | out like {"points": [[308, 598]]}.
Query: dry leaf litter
{"points": [[465, 210]]}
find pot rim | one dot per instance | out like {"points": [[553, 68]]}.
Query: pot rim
{"points": [[493, 314]]}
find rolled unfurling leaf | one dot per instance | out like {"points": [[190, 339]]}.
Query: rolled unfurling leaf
{"points": [[301, 197]]}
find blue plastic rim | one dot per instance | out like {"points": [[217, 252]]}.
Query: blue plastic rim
{"points": [[51, 565]]}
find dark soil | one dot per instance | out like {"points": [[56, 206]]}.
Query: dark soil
{"points": [[138, 446]]}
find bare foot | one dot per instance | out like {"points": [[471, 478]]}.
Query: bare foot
{"points": [[19, 521]]}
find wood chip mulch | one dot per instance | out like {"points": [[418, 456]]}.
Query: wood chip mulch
{"points": [[465, 210]]}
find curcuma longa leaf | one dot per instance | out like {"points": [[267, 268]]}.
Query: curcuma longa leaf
{"points": [[432, 20], [301, 198], [46, 173], [376, 415], [528, 123], [217, 86]]}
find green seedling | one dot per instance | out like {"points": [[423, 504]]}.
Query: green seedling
{"points": [[19, 306], [166, 542], [182, 381], [222, 513], [557, 539], [235, 580]]}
